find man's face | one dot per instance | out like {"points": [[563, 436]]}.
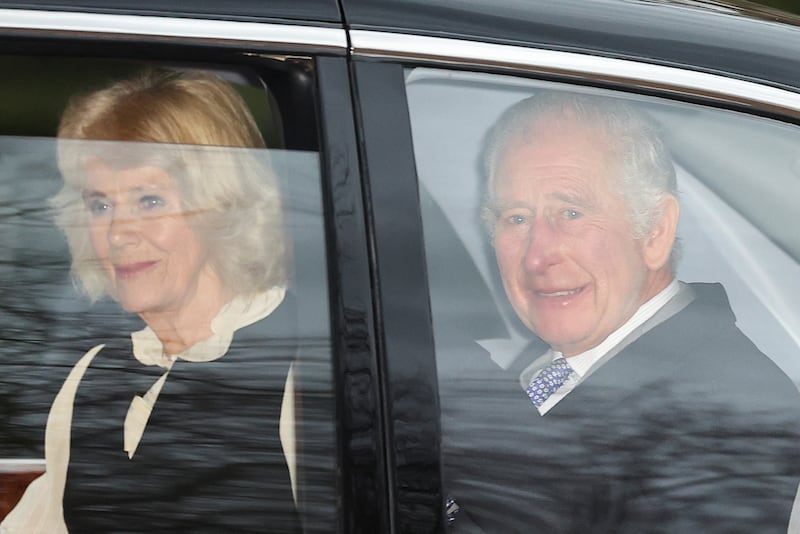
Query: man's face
{"points": [[564, 243]]}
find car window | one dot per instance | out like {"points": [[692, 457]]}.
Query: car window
{"points": [[195, 194], [517, 233]]}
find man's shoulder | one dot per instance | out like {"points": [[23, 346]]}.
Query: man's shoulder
{"points": [[706, 329], [695, 337], [700, 353]]}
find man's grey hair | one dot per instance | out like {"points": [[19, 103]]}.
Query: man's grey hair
{"points": [[646, 172]]}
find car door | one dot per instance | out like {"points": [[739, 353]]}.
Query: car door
{"points": [[728, 112], [287, 60]]}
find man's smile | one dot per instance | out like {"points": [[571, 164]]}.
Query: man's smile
{"points": [[559, 292]]}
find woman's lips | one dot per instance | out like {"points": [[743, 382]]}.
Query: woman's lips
{"points": [[131, 270]]}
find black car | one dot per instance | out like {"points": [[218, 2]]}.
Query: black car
{"points": [[374, 114]]}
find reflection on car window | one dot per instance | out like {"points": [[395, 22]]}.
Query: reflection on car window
{"points": [[610, 339], [163, 335]]}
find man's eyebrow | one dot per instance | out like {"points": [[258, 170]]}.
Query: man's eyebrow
{"points": [[573, 198], [499, 207], [562, 196]]}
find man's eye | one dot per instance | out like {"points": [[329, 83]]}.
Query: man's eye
{"points": [[572, 214], [151, 201], [516, 220]]}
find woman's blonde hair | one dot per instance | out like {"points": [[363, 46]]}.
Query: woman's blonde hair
{"points": [[196, 127]]}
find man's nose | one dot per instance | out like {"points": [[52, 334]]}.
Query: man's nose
{"points": [[543, 247]]}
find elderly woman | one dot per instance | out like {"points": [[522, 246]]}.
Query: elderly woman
{"points": [[176, 429]]}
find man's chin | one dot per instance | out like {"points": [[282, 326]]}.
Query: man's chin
{"points": [[568, 343]]}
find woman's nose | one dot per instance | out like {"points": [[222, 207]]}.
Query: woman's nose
{"points": [[123, 230]]}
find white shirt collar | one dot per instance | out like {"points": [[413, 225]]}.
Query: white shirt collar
{"points": [[238, 313], [581, 363]]}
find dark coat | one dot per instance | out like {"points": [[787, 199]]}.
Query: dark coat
{"points": [[210, 459], [690, 428]]}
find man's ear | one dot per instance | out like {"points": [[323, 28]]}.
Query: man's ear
{"points": [[659, 242]]}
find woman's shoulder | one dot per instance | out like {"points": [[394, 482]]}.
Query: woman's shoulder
{"points": [[281, 323]]}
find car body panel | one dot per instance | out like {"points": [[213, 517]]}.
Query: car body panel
{"points": [[713, 36], [364, 484], [407, 357]]}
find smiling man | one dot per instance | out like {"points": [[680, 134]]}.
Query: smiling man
{"points": [[577, 262], [650, 411]]}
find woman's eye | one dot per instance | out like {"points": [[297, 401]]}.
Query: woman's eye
{"points": [[151, 201], [98, 207], [572, 214]]}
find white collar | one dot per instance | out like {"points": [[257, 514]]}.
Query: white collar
{"points": [[581, 363], [242, 311]]}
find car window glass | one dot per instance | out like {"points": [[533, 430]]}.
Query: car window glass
{"points": [[737, 178], [100, 235], [756, 212]]}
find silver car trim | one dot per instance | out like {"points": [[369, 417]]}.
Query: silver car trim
{"points": [[632, 73], [174, 27]]}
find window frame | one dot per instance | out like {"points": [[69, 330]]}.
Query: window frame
{"points": [[378, 59], [359, 443]]}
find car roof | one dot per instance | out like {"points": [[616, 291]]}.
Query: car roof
{"points": [[738, 38], [306, 11], [733, 37]]}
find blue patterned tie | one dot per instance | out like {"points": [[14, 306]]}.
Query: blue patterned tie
{"points": [[548, 381]]}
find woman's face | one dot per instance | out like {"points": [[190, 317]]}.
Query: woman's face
{"points": [[142, 237]]}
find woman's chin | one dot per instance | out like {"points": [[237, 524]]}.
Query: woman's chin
{"points": [[134, 306]]}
